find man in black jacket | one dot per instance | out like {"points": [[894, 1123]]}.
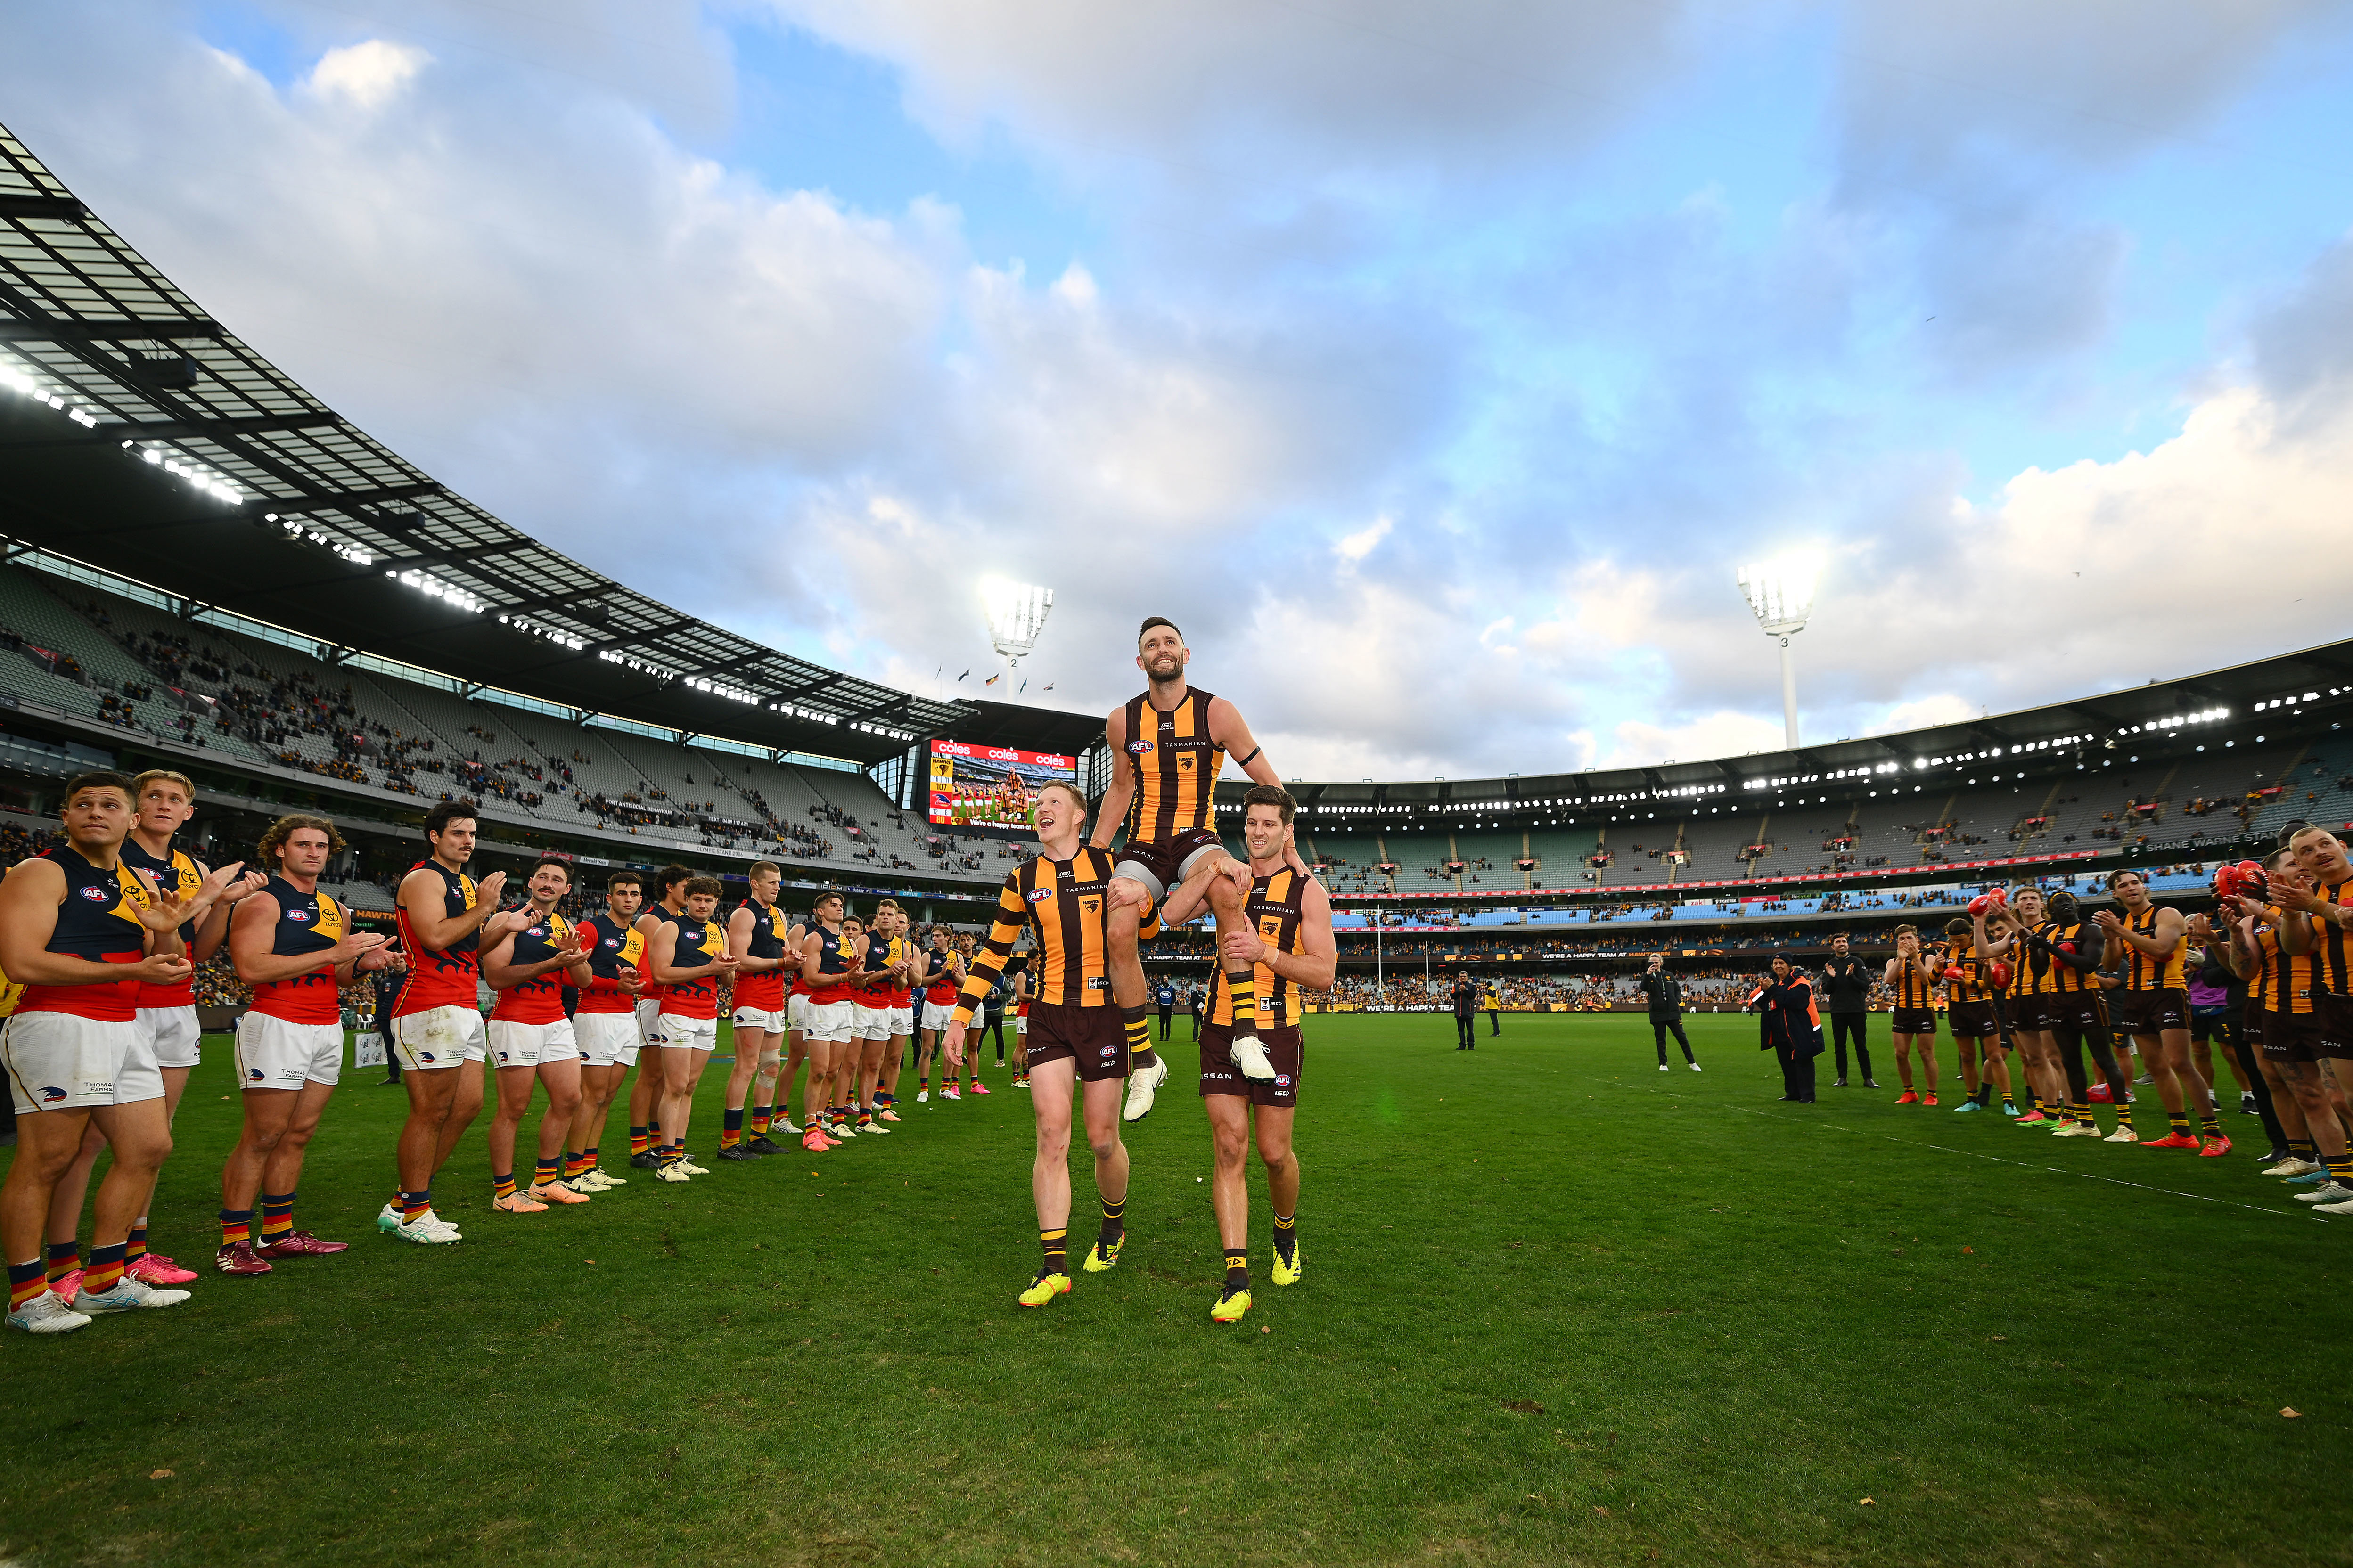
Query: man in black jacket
{"points": [[1666, 995], [1466, 1003], [1846, 986], [1790, 1027]]}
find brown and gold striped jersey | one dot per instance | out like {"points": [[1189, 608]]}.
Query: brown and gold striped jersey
{"points": [[1913, 990], [1975, 984], [1273, 907], [1066, 907], [2143, 972], [2330, 944], [2283, 983], [2065, 976], [1175, 765]]}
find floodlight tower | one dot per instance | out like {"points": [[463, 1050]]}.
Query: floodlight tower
{"points": [[1782, 593], [1017, 614]]}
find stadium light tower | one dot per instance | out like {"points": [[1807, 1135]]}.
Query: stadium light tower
{"points": [[1017, 614], [1781, 592]]}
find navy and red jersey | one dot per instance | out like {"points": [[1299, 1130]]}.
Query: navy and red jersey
{"points": [[654, 990], [765, 990], [698, 943], [452, 977], [307, 922], [177, 874], [610, 944], [98, 920], [540, 1000], [836, 954]]}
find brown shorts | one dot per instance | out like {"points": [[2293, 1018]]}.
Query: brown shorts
{"points": [[1974, 1020], [2026, 1013], [2150, 1012], [2251, 1026], [1284, 1048], [2292, 1037], [1093, 1038], [1161, 866], [2335, 1015], [2074, 1010], [1912, 1021]]}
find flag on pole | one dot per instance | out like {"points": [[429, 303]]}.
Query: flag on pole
{"points": [[961, 677], [992, 680]]}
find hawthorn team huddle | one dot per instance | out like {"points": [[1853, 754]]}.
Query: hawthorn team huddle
{"points": [[100, 938]]}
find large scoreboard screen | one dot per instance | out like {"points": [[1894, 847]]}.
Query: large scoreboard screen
{"points": [[988, 787]]}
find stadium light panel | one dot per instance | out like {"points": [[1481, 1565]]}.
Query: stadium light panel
{"points": [[1016, 613]]}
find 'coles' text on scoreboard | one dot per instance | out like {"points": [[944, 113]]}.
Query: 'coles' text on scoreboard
{"points": [[991, 786]]}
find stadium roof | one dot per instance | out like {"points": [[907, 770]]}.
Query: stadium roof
{"points": [[149, 440], [2310, 689]]}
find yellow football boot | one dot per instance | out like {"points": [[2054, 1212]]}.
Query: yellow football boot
{"points": [[1045, 1289], [1231, 1306], [1098, 1260], [1286, 1273]]}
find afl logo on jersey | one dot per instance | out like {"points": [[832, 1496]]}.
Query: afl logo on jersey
{"points": [[612, 944], [1139, 747], [96, 896], [1039, 895], [299, 917]]}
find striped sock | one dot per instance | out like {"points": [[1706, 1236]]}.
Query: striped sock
{"points": [[1243, 992], [546, 1172], [1057, 1247], [2340, 1170], [2305, 1150], [1286, 1234], [502, 1186], [2210, 1125], [277, 1215], [27, 1282], [2178, 1121], [1140, 1053], [640, 1139], [588, 1158], [1115, 1220], [573, 1165], [105, 1270], [138, 1240], [2081, 1109], [731, 1129], [65, 1256], [415, 1203], [761, 1115], [1237, 1270], [236, 1225]]}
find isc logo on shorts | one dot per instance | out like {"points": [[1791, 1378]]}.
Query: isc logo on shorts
{"points": [[95, 895]]}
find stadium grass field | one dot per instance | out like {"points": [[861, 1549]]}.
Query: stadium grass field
{"points": [[1559, 1308]]}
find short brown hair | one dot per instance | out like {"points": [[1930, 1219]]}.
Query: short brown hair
{"points": [[829, 897], [438, 820], [139, 786], [1956, 926], [1907, 930], [1152, 621], [560, 862], [1078, 796], [1274, 795], [670, 876], [759, 866], [619, 880], [703, 887], [2124, 871], [274, 838], [101, 778]]}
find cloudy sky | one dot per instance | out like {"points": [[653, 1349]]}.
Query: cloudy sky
{"points": [[1433, 366]]}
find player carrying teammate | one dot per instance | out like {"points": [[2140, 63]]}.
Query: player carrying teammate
{"points": [[296, 947], [80, 932], [1175, 740], [758, 933], [529, 963], [1287, 948], [436, 1024], [1062, 897], [605, 1024]]}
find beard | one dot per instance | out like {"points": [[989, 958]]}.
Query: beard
{"points": [[1161, 671]]}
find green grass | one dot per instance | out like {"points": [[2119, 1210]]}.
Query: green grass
{"points": [[1560, 1307]]}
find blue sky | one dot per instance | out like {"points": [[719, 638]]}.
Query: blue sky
{"points": [[1433, 368]]}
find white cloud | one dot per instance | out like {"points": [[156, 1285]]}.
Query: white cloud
{"points": [[368, 75], [1353, 548]]}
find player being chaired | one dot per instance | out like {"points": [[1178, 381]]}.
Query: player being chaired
{"points": [[1175, 739], [1063, 896], [1285, 948]]}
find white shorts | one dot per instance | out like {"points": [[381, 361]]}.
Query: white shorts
{"points": [[650, 1015], [606, 1039], [689, 1033], [272, 1053], [438, 1038], [831, 1021], [1021, 1023], [871, 1023], [514, 1045], [757, 1018], [903, 1022], [175, 1035], [938, 1014], [796, 1010], [60, 1062]]}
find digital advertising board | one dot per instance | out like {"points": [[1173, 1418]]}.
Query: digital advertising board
{"points": [[990, 788]]}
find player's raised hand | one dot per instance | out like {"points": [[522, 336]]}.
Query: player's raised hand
{"points": [[488, 888]]}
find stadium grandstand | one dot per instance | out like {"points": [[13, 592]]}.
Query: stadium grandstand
{"points": [[208, 569]]}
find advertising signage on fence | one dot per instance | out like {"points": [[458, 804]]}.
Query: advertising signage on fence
{"points": [[1877, 873], [990, 788]]}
